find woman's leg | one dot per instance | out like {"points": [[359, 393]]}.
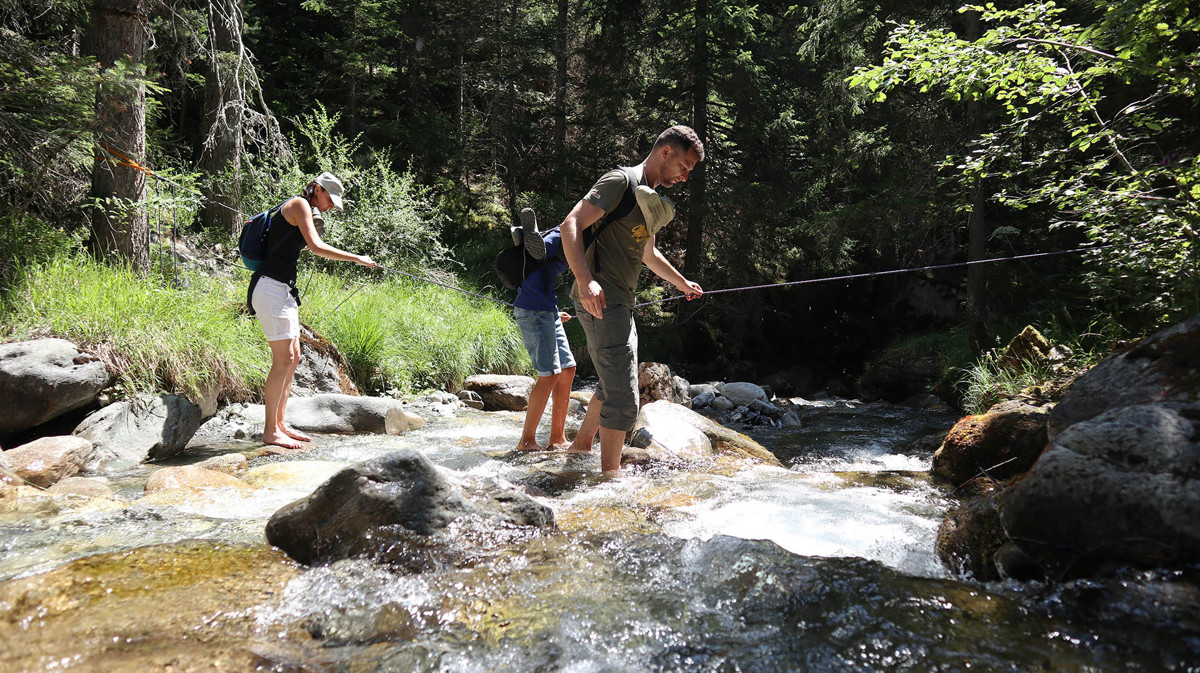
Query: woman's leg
{"points": [[533, 414], [558, 410], [287, 392], [284, 357]]}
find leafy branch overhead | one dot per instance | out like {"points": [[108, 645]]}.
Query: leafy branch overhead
{"points": [[1091, 126]]}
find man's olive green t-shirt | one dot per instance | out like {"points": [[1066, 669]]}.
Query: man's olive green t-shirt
{"points": [[616, 256]]}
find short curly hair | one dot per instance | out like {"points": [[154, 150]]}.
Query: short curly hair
{"points": [[681, 137]]}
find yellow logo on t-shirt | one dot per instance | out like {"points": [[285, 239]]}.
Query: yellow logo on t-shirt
{"points": [[640, 234]]}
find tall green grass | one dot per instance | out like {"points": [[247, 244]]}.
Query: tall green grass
{"points": [[406, 335], [397, 334], [152, 336]]}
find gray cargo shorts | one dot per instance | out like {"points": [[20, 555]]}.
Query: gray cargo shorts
{"points": [[612, 344]]}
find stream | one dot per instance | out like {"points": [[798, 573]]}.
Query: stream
{"points": [[825, 564]]}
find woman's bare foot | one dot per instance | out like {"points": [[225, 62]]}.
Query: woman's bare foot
{"points": [[561, 446], [281, 440], [528, 445], [295, 434]]}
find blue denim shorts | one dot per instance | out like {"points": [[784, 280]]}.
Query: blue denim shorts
{"points": [[545, 339]]}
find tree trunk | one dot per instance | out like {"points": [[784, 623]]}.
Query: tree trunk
{"points": [[120, 231], [512, 157], [694, 252], [221, 157], [561, 55], [976, 227]]}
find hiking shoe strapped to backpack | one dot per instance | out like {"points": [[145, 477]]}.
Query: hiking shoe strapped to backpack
{"points": [[528, 235]]}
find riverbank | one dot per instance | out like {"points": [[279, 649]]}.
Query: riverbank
{"points": [[156, 336]]}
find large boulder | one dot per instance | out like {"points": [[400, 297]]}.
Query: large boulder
{"points": [[350, 414], [132, 431], [1001, 443], [655, 382], [500, 392], [43, 462], [742, 393], [43, 379], [673, 430], [667, 432], [322, 367], [403, 510], [1164, 367], [1123, 486]]}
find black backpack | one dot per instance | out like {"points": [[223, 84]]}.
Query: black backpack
{"points": [[514, 264]]}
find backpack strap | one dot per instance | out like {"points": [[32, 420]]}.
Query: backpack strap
{"points": [[628, 201]]}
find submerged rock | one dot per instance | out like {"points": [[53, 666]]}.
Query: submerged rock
{"points": [[403, 510], [45, 378], [188, 606], [191, 477], [92, 487], [132, 431]]}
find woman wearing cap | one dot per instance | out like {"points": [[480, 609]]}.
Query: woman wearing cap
{"points": [[273, 297]]}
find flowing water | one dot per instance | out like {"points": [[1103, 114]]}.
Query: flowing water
{"points": [[825, 564]]}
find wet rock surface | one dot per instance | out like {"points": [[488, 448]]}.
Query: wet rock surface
{"points": [[999, 444], [392, 508]]}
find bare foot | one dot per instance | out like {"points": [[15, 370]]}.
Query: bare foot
{"points": [[295, 434], [561, 446], [579, 449], [280, 440], [528, 445]]}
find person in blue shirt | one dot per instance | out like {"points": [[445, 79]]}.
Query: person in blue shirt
{"points": [[541, 323]]}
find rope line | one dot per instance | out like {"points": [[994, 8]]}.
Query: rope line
{"points": [[445, 285], [889, 272]]}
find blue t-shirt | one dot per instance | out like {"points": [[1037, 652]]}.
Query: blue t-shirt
{"points": [[537, 292]]}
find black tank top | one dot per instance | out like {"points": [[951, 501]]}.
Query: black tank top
{"points": [[284, 243]]}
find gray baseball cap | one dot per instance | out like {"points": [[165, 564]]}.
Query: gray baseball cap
{"points": [[332, 185]]}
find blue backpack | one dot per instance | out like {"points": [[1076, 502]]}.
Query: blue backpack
{"points": [[252, 243]]}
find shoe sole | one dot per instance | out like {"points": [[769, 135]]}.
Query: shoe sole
{"points": [[534, 245]]}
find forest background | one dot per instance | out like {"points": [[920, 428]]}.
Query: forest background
{"points": [[843, 137]]}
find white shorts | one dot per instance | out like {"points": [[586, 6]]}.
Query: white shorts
{"points": [[276, 309]]}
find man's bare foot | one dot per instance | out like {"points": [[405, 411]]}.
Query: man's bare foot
{"points": [[295, 434], [561, 446], [281, 440], [528, 445], [574, 448]]}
